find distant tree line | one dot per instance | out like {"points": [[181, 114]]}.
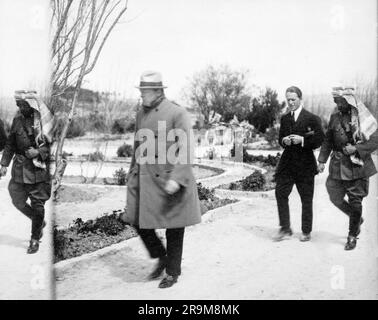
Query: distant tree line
{"points": [[226, 92]]}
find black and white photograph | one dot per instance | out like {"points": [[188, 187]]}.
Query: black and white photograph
{"points": [[188, 150]]}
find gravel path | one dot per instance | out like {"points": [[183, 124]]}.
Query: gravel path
{"points": [[22, 276], [231, 255]]}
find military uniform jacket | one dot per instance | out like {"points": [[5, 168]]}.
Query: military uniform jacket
{"points": [[340, 166], [298, 159], [148, 204], [21, 138]]}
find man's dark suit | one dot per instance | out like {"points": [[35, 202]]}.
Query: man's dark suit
{"points": [[298, 166]]}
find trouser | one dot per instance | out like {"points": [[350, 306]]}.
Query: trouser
{"points": [[38, 194], [305, 187], [155, 247], [356, 190]]}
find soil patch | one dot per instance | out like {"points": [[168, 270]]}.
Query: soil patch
{"points": [[71, 194]]}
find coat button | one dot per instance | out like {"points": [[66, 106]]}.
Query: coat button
{"points": [[156, 175], [156, 109]]}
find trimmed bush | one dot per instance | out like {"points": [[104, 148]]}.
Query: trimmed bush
{"points": [[254, 182], [123, 125], [205, 193], [120, 177], [125, 150], [96, 156]]}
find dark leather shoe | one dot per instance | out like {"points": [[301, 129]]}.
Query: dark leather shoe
{"points": [[160, 267], [168, 281], [305, 237], [283, 234], [359, 227], [41, 232], [351, 243], [33, 246]]}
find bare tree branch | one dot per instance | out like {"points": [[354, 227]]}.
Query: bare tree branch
{"points": [[61, 23], [105, 38]]}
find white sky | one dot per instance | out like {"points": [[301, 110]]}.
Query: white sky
{"points": [[24, 53], [313, 44]]}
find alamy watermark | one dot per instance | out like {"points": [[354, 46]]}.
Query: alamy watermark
{"points": [[176, 146]]}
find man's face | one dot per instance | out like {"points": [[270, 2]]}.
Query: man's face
{"points": [[293, 101], [342, 104], [25, 108], [148, 96]]}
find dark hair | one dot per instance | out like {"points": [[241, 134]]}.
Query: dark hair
{"points": [[296, 90]]}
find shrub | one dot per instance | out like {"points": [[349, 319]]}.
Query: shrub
{"points": [[205, 193], [123, 125], [120, 177], [77, 128], [125, 150], [61, 244], [96, 156], [254, 182], [273, 160], [109, 224]]}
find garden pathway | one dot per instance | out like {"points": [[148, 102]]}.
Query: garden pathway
{"points": [[22, 276], [231, 255]]}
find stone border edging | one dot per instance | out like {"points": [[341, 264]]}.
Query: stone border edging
{"points": [[237, 194]]}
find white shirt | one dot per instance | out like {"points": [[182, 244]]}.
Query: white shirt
{"points": [[297, 112], [296, 115]]}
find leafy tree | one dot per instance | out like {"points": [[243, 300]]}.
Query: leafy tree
{"points": [[265, 110], [220, 89]]}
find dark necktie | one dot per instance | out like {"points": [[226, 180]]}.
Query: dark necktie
{"points": [[292, 122]]}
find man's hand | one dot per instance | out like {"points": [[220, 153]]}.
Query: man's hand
{"points": [[31, 153], [286, 141], [321, 166], [349, 149], [172, 187], [3, 171], [295, 139]]}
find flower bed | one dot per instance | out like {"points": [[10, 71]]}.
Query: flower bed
{"points": [[256, 181], [88, 236]]}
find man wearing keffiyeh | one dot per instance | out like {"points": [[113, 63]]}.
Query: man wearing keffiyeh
{"points": [[352, 136], [29, 146]]}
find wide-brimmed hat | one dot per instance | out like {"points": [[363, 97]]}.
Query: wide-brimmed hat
{"points": [[151, 80]]}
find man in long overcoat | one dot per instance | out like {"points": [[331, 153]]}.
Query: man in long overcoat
{"points": [[300, 133], [29, 147], [161, 188], [351, 138]]}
